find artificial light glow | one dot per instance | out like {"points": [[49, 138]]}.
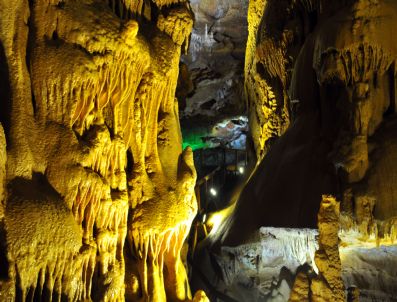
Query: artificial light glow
{"points": [[214, 221], [213, 192], [241, 170], [204, 218]]}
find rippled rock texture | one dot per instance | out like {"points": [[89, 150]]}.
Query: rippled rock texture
{"points": [[100, 195]]}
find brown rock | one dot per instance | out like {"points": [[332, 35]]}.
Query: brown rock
{"points": [[300, 290], [328, 285]]}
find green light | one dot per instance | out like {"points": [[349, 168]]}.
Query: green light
{"points": [[193, 138]]}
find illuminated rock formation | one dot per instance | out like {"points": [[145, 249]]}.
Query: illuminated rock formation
{"points": [[263, 268], [328, 285], [97, 195], [279, 264], [301, 289], [277, 32], [94, 151], [268, 64]]}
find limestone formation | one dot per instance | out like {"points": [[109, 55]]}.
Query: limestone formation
{"points": [[328, 285], [301, 289], [97, 195], [100, 195], [268, 65], [361, 55]]}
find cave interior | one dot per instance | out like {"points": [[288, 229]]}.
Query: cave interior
{"points": [[196, 151]]}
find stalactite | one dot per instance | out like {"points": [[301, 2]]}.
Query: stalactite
{"points": [[111, 221], [353, 65], [155, 252], [178, 25], [56, 252], [101, 90], [136, 6]]}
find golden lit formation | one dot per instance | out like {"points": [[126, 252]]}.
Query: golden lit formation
{"points": [[94, 152]]}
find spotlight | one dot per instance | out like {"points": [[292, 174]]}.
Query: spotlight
{"points": [[213, 192], [241, 170]]}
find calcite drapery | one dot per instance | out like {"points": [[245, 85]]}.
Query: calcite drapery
{"points": [[273, 39], [94, 154]]}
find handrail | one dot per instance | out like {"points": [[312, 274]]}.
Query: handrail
{"points": [[221, 166], [225, 151], [208, 176]]}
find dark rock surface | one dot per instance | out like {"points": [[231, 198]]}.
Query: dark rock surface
{"points": [[215, 60]]}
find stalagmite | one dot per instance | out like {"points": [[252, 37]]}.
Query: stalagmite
{"points": [[301, 288], [329, 284]]}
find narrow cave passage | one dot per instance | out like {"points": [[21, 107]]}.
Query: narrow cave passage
{"points": [[212, 104]]}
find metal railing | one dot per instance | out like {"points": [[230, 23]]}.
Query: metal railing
{"points": [[223, 164], [215, 179], [224, 156]]}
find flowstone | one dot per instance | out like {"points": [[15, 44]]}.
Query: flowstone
{"points": [[94, 157]]}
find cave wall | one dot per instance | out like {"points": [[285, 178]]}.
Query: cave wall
{"points": [[215, 61], [272, 33], [100, 195]]}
